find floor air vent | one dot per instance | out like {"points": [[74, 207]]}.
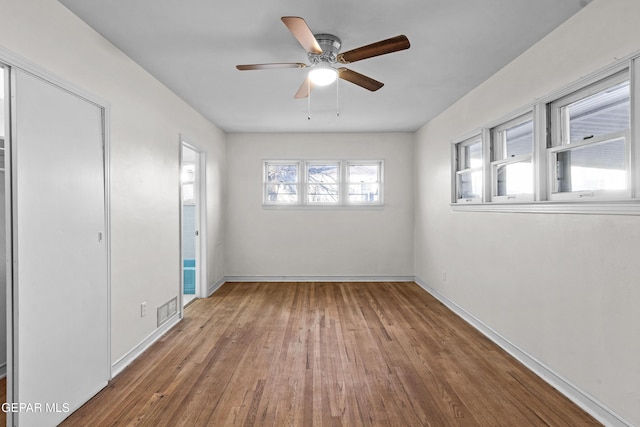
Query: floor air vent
{"points": [[167, 310]]}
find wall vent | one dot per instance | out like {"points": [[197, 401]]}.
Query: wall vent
{"points": [[167, 310]]}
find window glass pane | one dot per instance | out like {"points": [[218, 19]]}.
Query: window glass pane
{"points": [[364, 173], [282, 173], [592, 167], [519, 139], [322, 193], [364, 183], [471, 155], [282, 183], [600, 114], [323, 173], [282, 193], [515, 178], [470, 185], [322, 183], [364, 192]]}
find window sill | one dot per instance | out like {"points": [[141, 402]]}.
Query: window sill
{"points": [[323, 207], [626, 207]]}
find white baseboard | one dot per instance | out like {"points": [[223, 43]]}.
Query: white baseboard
{"points": [[133, 354], [214, 287], [319, 278], [3, 370], [591, 405]]}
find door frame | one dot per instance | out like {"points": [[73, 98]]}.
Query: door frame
{"points": [[12, 61], [201, 220]]}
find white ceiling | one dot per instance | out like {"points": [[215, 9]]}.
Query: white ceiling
{"points": [[192, 46]]}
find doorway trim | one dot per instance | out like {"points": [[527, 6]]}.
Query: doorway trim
{"points": [[201, 206]]}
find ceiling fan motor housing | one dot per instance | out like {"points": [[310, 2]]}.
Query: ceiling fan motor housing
{"points": [[330, 46]]}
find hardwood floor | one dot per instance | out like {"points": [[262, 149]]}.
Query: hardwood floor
{"points": [[330, 354], [3, 399]]}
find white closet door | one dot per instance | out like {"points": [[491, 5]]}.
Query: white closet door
{"points": [[60, 259]]}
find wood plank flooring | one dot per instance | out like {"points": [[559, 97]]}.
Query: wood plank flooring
{"points": [[326, 354], [3, 399]]}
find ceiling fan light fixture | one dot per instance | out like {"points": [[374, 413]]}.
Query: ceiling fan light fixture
{"points": [[322, 74]]}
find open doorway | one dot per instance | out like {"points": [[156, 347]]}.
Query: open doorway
{"points": [[192, 199]]}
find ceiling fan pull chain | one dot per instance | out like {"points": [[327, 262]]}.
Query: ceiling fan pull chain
{"points": [[309, 99], [338, 98]]}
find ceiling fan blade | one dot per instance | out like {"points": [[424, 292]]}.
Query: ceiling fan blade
{"points": [[304, 90], [302, 33], [359, 79], [383, 47], [271, 66]]}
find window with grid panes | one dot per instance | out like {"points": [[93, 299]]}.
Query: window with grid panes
{"points": [[512, 165], [469, 164], [590, 137]]}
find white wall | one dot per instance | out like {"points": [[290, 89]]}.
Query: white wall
{"points": [[319, 242], [146, 121], [563, 288], [578, 314]]}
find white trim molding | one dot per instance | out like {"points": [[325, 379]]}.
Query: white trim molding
{"points": [[135, 352], [585, 401], [626, 207], [214, 287], [319, 278]]}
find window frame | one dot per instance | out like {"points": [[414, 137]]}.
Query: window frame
{"points": [[588, 194], [498, 157], [459, 159], [609, 202], [307, 182], [303, 184], [265, 182], [560, 140], [379, 182], [558, 121]]}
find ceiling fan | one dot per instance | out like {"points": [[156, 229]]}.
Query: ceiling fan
{"points": [[323, 53]]}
